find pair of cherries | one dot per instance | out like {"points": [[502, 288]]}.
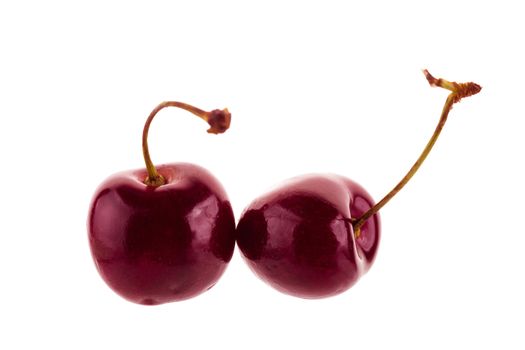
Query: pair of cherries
{"points": [[167, 233]]}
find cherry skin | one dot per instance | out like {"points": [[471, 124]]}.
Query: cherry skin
{"points": [[154, 245], [299, 237], [165, 233], [314, 236]]}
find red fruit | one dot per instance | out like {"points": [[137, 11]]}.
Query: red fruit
{"points": [[162, 234], [299, 237], [314, 236]]}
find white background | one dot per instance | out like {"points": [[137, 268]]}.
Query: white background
{"points": [[322, 86]]}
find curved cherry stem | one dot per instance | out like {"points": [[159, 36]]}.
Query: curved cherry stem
{"points": [[219, 121], [458, 91]]}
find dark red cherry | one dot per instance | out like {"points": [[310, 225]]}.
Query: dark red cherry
{"points": [[314, 236], [158, 244], [163, 233], [299, 237]]}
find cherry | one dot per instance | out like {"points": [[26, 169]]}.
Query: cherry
{"points": [[314, 236], [165, 233]]}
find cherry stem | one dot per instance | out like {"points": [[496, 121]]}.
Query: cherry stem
{"points": [[219, 121], [458, 91]]}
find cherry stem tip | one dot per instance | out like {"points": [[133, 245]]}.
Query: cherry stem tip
{"points": [[459, 90]]}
